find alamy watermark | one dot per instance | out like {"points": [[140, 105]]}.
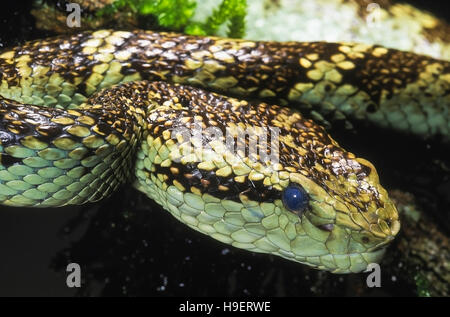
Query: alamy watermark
{"points": [[373, 17], [74, 277], [258, 144], [73, 20], [374, 278]]}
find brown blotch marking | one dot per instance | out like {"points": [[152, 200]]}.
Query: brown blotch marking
{"points": [[7, 160]]}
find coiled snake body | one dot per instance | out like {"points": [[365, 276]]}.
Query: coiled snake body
{"points": [[64, 140]]}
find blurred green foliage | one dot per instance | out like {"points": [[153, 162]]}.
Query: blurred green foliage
{"points": [[423, 289], [176, 15]]}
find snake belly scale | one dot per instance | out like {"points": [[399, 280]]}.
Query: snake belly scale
{"points": [[81, 115]]}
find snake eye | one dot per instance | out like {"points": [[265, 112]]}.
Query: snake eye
{"points": [[295, 199]]}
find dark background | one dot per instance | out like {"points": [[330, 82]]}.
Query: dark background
{"points": [[127, 245]]}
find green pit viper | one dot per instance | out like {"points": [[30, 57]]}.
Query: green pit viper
{"points": [[82, 114]]}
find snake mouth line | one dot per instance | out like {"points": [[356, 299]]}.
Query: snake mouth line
{"points": [[383, 244]]}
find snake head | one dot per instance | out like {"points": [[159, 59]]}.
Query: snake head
{"points": [[346, 220], [333, 214], [343, 220]]}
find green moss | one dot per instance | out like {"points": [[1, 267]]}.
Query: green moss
{"points": [[237, 21], [173, 14], [176, 15], [116, 5]]}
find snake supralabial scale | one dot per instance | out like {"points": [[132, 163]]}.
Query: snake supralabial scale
{"points": [[64, 140]]}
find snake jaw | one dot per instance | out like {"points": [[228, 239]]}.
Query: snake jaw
{"points": [[354, 232]]}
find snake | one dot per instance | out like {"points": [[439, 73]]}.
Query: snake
{"points": [[173, 114]]}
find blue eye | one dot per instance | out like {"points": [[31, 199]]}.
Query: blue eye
{"points": [[295, 198]]}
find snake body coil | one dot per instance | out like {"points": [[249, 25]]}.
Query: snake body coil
{"points": [[64, 140]]}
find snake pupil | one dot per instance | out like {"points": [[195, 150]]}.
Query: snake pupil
{"points": [[295, 199]]}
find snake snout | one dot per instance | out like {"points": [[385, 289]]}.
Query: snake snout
{"points": [[388, 224]]}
